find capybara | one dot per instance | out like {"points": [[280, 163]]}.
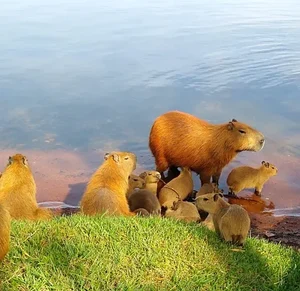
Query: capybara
{"points": [[18, 191], [135, 182], [4, 231], [151, 179], [182, 140], [144, 199], [247, 177], [232, 222], [107, 188], [208, 188], [177, 189], [183, 210]]}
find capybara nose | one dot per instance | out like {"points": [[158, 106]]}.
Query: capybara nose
{"points": [[158, 176]]}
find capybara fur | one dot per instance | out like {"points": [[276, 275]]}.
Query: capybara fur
{"points": [[182, 140], [4, 231], [177, 189], [208, 188], [208, 222], [107, 188], [135, 182], [141, 212], [18, 191], [183, 210], [247, 177], [232, 222], [151, 179], [144, 199]]}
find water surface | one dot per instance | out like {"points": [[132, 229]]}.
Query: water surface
{"points": [[79, 78]]}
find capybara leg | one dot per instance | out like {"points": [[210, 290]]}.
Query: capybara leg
{"points": [[216, 177], [257, 191], [161, 164], [231, 193], [226, 235], [141, 212], [204, 178]]}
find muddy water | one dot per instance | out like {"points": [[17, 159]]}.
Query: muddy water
{"points": [[79, 78]]}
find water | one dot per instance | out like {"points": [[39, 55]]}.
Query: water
{"points": [[79, 78]]}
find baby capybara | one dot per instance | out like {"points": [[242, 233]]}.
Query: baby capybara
{"points": [[182, 140]]}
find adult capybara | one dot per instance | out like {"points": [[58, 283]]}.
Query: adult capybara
{"points": [[177, 189], [107, 188], [247, 177], [232, 222], [144, 199], [183, 210], [151, 179], [134, 182], [181, 139], [4, 231], [18, 191]]}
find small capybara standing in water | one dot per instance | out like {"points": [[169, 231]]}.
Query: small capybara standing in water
{"points": [[18, 191], [247, 177], [181, 139], [107, 188], [232, 222], [4, 231]]}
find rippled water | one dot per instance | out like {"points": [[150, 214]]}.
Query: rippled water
{"points": [[78, 78]]}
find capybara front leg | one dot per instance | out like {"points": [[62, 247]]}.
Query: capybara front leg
{"points": [[216, 178], [204, 178]]}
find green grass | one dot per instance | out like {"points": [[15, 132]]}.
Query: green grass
{"points": [[103, 253]]}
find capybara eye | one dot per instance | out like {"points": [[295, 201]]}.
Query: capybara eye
{"points": [[134, 179], [126, 158], [273, 168], [205, 199], [150, 174], [242, 131]]}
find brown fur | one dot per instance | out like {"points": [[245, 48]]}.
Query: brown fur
{"points": [[247, 177], [135, 182], [208, 188], [141, 212], [183, 210], [144, 199], [18, 191], [107, 188], [177, 189], [4, 231], [181, 139], [232, 222], [151, 179]]}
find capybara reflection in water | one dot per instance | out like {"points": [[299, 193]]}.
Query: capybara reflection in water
{"points": [[181, 139], [18, 191], [4, 231], [232, 222], [107, 188], [247, 177]]}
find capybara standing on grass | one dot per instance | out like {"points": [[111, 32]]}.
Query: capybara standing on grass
{"points": [[181, 139], [232, 222], [247, 177], [18, 191], [4, 231], [107, 188]]}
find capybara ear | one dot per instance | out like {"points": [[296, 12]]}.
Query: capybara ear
{"points": [[10, 160], [267, 165], [175, 205], [25, 161], [106, 156], [230, 125], [263, 162], [143, 175], [116, 158], [234, 120], [216, 197]]}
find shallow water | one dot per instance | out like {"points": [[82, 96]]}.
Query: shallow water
{"points": [[79, 78]]}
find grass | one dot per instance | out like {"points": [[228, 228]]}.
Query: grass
{"points": [[103, 253]]}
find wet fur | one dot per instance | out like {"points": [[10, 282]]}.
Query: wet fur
{"points": [[181, 139], [18, 191], [4, 231]]}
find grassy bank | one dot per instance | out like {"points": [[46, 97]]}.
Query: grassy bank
{"points": [[101, 253]]}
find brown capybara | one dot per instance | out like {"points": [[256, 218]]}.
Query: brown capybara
{"points": [[107, 188], [177, 189], [247, 177], [208, 188], [182, 140], [18, 191], [144, 199], [4, 231], [135, 182], [232, 222], [183, 210], [151, 179]]}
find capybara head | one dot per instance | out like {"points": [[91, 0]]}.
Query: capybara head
{"points": [[150, 176], [208, 202], [170, 204], [125, 160], [269, 168], [245, 138], [18, 159], [186, 170], [136, 181]]}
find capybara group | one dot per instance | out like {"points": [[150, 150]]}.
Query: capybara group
{"points": [[4, 231], [232, 222], [107, 188], [18, 191], [182, 140], [247, 177]]}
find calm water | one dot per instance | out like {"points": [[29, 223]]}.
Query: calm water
{"points": [[81, 77]]}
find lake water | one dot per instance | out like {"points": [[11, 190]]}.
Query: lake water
{"points": [[79, 78]]}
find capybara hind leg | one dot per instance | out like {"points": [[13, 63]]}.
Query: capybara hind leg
{"points": [[258, 190], [161, 164], [204, 178]]}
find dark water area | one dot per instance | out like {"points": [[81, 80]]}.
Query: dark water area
{"points": [[80, 78]]}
